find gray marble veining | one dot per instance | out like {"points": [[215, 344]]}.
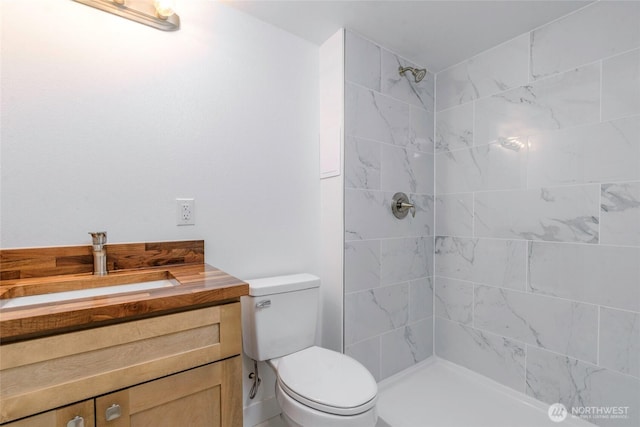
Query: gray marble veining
{"points": [[421, 125], [406, 170], [389, 147], [420, 299], [376, 222], [537, 254], [495, 70], [568, 99], [499, 358], [620, 214], [371, 115], [406, 346], [373, 312], [486, 167], [454, 215], [598, 31], [362, 163], [454, 300], [454, 127], [368, 216], [597, 274], [406, 259], [569, 214], [553, 378], [361, 265], [559, 325], [404, 87], [495, 262], [620, 341]]}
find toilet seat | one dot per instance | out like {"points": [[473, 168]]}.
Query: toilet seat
{"points": [[296, 414], [327, 381]]}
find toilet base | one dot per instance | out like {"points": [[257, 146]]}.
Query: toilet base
{"points": [[295, 414], [288, 422]]}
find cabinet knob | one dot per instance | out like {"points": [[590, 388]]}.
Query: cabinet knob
{"points": [[114, 411], [78, 421]]}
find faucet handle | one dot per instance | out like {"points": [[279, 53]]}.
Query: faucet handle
{"points": [[99, 237], [401, 206]]}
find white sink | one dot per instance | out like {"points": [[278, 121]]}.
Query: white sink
{"points": [[85, 293]]}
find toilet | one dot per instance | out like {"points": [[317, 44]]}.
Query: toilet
{"points": [[315, 387]]}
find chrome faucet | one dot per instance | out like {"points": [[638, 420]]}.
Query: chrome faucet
{"points": [[99, 253]]}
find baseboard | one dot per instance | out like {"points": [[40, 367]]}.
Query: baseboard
{"points": [[260, 412]]}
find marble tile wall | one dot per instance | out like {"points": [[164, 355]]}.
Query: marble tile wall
{"points": [[389, 147], [537, 211]]}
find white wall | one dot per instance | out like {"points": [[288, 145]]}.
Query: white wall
{"points": [[106, 121]]}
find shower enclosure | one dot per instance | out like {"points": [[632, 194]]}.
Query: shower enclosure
{"points": [[522, 262]]}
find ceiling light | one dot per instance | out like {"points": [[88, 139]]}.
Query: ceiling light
{"points": [[158, 14]]}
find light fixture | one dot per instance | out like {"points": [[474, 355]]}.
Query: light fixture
{"points": [[512, 143], [158, 14]]}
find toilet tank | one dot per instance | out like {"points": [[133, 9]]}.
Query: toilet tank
{"points": [[279, 315]]}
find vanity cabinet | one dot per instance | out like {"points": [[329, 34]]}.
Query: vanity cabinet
{"points": [[178, 369]]}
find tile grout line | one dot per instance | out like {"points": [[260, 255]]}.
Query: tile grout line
{"points": [[538, 294], [598, 338], [601, 64], [473, 193], [526, 353], [529, 54], [473, 306], [435, 216], [507, 239], [527, 285], [599, 215]]}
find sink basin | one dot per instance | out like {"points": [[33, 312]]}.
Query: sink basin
{"points": [[26, 294]]}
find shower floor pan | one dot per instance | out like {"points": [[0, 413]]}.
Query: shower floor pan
{"points": [[438, 393]]}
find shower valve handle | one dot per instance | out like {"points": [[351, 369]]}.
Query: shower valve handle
{"points": [[401, 206]]}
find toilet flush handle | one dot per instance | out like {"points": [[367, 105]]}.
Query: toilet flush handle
{"points": [[265, 303]]}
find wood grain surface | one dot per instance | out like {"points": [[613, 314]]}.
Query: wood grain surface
{"points": [[43, 270], [55, 261]]}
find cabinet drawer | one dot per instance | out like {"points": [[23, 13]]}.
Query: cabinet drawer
{"points": [[46, 373], [60, 417]]}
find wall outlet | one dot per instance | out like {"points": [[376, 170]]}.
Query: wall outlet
{"points": [[185, 212]]}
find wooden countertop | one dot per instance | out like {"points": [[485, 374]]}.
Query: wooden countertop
{"points": [[199, 285]]}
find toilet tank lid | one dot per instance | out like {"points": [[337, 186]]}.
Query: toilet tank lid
{"points": [[281, 284]]}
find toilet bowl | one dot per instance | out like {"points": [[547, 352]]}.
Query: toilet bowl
{"points": [[315, 387], [320, 387]]}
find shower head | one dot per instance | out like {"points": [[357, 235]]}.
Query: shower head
{"points": [[418, 73]]}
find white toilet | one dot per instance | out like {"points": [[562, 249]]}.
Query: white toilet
{"points": [[315, 387]]}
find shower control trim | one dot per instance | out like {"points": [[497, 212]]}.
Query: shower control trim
{"points": [[400, 206]]}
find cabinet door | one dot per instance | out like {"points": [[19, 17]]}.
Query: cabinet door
{"points": [[76, 415], [208, 396], [46, 373]]}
